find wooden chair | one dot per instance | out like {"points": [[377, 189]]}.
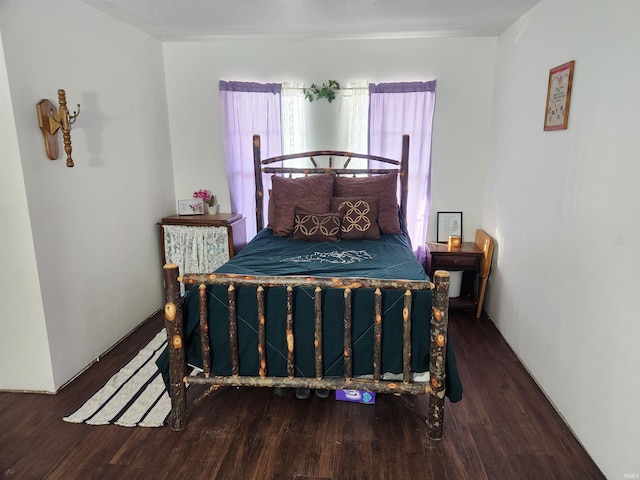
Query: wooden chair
{"points": [[485, 243]]}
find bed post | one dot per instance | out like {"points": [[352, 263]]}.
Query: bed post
{"points": [[173, 326], [404, 176], [257, 170], [437, 353]]}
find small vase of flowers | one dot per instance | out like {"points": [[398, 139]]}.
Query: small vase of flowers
{"points": [[210, 205]]}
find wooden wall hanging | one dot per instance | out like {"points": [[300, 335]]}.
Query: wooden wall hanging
{"points": [[50, 120]]}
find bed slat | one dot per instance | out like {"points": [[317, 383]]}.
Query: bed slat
{"points": [[233, 331], [348, 361], [318, 332], [262, 359], [377, 333], [204, 331], [406, 338], [290, 338]]}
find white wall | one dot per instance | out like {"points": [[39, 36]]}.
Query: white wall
{"points": [[463, 67], [95, 242], [563, 207], [20, 302]]}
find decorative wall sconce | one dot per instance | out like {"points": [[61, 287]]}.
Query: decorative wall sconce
{"points": [[50, 120]]}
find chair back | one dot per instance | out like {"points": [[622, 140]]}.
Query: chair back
{"points": [[485, 243]]}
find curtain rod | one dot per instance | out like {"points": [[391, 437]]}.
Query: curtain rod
{"points": [[341, 88]]}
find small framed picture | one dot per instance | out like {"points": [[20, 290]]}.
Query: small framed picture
{"points": [[559, 97], [193, 206], [449, 225]]}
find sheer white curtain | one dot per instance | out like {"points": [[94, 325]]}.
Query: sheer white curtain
{"points": [[247, 109], [353, 120], [406, 108], [354, 117], [353, 124], [294, 125]]}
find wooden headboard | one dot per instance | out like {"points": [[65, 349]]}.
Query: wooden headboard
{"points": [[336, 157]]}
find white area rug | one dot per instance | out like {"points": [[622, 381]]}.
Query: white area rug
{"points": [[133, 397]]}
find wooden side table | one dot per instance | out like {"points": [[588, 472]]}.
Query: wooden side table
{"points": [[233, 222], [465, 258]]}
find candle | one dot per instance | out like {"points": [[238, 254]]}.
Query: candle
{"points": [[454, 241]]}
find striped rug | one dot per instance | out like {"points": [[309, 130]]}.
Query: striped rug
{"points": [[133, 397]]}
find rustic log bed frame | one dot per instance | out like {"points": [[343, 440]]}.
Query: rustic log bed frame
{"points": [[438, 328]]}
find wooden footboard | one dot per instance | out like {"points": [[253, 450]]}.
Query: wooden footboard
{"points": [[437, 341]]}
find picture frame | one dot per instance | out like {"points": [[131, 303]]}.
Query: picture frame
{"points": [[448, 224], [556, 115], [193, 206]]}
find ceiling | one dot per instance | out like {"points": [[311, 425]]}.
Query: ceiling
{"points": [[176, 20]]}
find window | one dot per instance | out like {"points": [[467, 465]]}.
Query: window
{"points": [[371, 118]]}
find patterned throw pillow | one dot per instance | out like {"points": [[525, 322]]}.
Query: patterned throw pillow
{"points": [[316, 227], [359, 217]]}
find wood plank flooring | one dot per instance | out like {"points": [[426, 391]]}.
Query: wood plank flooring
{"points": [[504, 428]]}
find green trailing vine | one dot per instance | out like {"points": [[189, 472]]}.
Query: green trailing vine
{"points": [[315, 92]]}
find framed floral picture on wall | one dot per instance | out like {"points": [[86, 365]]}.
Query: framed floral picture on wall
{"points": [[559, 96]]}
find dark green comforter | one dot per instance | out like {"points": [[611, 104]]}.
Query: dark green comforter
{"points": [[389, 258]]}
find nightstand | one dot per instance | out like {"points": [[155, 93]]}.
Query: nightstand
{"points": [[201, 243], [465, 258]]}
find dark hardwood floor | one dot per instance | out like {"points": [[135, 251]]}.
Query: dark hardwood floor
{"points": [[504, 428]]}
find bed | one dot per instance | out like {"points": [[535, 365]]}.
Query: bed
{"points": [[328, 295]]}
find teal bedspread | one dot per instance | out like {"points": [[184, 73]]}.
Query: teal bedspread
{"points": [[390, 257]]}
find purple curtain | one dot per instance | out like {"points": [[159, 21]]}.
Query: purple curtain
{"points": [[248, 109], [406, 108]]}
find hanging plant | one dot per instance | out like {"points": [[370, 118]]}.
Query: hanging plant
{"points": [[315, 92]]}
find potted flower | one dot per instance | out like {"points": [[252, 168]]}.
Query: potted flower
{"points": [[210, 205]]}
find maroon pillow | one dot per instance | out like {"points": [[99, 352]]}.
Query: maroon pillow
{"points": [[359, 217], [312, 193], [384, 187], [270, 211], [316, 227]]}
